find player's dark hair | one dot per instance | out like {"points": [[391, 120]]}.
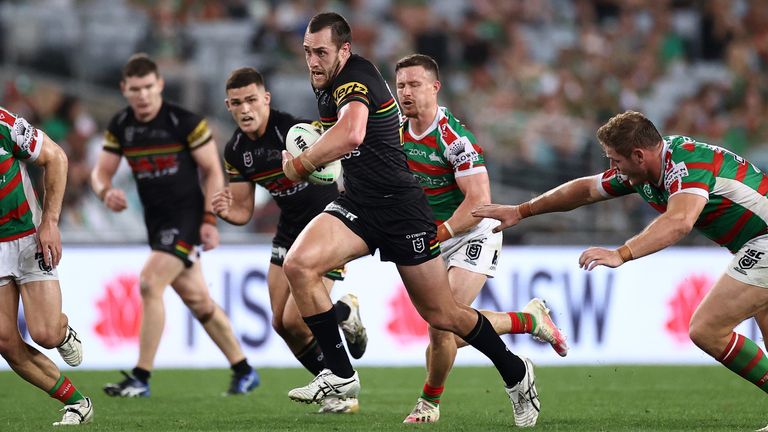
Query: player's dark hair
{"points": [[243, 77], [341, 33], [627, 131], [140, 65], [423, 60]]}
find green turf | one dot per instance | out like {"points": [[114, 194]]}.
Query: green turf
{"points": [[608, 398]]}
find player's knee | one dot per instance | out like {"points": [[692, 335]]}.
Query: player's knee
{"points": [[203, 309], [438, 321], [296, 269], [8, 345], [47, 337], [278, 326], [700, 333], [147, 286], [440, 339]]}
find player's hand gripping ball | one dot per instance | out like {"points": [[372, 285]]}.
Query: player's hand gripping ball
{"points": [[302, 136]]}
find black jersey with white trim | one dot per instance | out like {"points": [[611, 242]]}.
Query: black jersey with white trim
{"points": [[260, 161], [375, 173], [160, 155]]}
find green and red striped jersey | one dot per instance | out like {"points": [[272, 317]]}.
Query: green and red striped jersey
{"points": [[19, 208], [737, 207], [445, 151]]}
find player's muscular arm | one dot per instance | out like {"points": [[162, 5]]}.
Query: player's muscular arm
{"points": [[54, 162], [101, 181], [343, 137], [568, 196], [207, 158], [234, 204], [683, 209], [477, 192]]}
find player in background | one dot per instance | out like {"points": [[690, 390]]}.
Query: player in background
{"points": [[166, 145], [30, 251], [383, 207], [450, 166], [253, 157], [691, 184]]}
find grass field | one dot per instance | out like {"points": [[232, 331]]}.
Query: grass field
{"points": [[607, 398]]}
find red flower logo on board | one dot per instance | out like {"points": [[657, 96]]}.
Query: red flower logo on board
{"points": [[688, 294], [405, 324], [120, 311]]}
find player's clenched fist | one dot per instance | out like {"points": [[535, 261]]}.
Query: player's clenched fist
{"points": [[114, 199], [222, 202]]}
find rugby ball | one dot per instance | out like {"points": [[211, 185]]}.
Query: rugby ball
{"points": [[302, 136]]}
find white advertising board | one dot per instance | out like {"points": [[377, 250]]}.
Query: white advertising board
{"points": [[638, 313]]}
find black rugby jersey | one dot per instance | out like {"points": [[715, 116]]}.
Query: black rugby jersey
{"points": [[260, 161], [159, 153], [375, 173]]}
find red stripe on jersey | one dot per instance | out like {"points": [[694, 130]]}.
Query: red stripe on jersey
{"points": [[334, 118], [695, 185], [716, 213], [33, 145], [688, 146], [387, 103], [700, 165], [735, 229], [18, 235], [11, 185], [427, 168], [440, 190], [763, 188], [717, 163], [429, 140], [741, 172], [7, 118], [6, 165], [16, 213]]}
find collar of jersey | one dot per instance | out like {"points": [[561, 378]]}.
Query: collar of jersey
{"points": [[431, 127]]}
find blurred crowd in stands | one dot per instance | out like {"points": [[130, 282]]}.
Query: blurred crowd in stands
{"points": [[533, 79]]}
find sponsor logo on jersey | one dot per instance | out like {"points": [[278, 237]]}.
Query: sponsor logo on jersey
{"points": [[351, 87], [248, 159], [417, 152], [434, 157], [3, 152], [750, 258], [647, 190], [673, 177], [24, 133]]}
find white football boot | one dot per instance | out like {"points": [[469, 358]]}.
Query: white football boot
{"points": [[546, 330], [525, 398], [80, 412], [71, 349], [332, 405], [352, 327], [424, 412], [327, 385]]}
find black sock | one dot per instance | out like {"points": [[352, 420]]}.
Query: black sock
{"points": [[326, 331], [342, 311], [484, 338], [141, 374], [311, 357], [241, 368]]}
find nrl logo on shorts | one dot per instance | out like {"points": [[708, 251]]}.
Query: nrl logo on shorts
{"points": [[473, 250], [167, 236], [418, 245], [248, 159], [750, 258]]}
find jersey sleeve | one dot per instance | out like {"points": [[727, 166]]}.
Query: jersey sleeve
{"points": [[612, 184], [686, 172], [199, 134], [231, 166], [353, 85], [20, 138], [461, 151], [233, 173], [111, 142]]}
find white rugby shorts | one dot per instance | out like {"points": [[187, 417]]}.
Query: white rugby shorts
{"points": [[476, 250], [19, 261], [750, 263]]}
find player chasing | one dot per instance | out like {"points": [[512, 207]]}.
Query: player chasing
{"points": [[383, 207], [450, 166], [30, 251], [166, 145], [692, 184], [253, 156]]}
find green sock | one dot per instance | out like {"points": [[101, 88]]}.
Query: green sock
{"points": [[65, 391], [745, 358]]}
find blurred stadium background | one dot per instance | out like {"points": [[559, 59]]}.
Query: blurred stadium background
{"points": [[533, 79]]}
